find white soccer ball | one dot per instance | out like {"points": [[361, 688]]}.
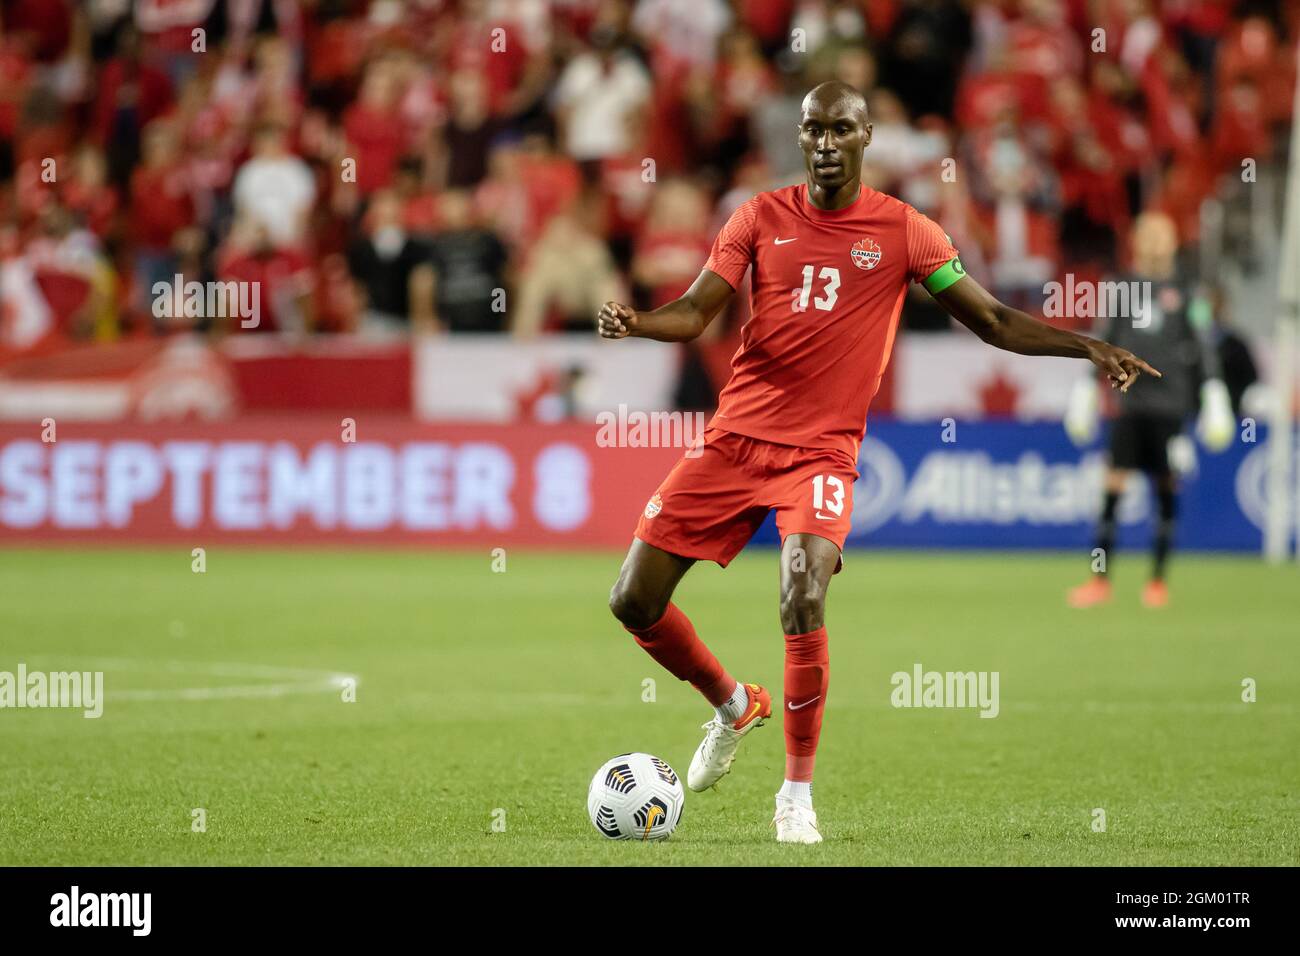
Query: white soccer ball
{"points": [[635, 797]]}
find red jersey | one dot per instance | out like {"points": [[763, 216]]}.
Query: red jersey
{"points": [[825, 298]]}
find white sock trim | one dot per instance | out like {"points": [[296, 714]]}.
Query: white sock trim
{"points": [[797, 791], [733, 708]]}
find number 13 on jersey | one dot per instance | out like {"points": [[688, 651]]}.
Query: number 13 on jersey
{"points": [[831, 280]]}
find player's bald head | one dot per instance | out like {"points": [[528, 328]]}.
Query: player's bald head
{"points": [[833, 99]]}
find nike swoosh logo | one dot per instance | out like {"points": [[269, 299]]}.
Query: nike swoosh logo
{"points": [[752, 711], [650, 823], [791, 705], [782, 242]]}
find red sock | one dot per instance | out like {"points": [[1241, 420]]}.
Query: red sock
{"points": [[672, 642], [807, 674]]}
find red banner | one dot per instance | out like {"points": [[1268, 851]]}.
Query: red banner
{"points": [[297, 481]]}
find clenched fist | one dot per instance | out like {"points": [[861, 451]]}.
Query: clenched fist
{"points": [[615, 321]]}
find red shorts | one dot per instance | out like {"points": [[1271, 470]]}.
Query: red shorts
{"points": [[710, 505]]}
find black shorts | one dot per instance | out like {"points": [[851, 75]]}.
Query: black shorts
{"points": [[1141, 442]]}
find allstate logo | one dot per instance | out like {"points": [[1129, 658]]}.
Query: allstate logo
{"points": [[1252, 485], [879, 490]]}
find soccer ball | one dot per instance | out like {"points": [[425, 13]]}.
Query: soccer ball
{"points": [[635, 797]]}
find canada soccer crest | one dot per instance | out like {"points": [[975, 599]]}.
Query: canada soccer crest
{"points": [[654, 506], [865, 254]]}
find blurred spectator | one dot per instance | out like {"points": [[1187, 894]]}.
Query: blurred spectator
{"points": [[383, 263], [528, 182], [280, 278], [767, 20], [569, 275], [131, 94], [674, 244], [1240, 128], [167, 28], [924, 54], [161, 208], [419, 203], [274, 95], [336, 51], [88, 194], [469, 271], [495, 40], [210, 137], [72, 274], [682, 35], [898, 149], [825, 24], [1017, 190], [723, 101], [25, 316], [628, 182], [468, 133], [1094, 199], [599, 95], [275, 188], [775, 121], [854, 64], [376, 132]]}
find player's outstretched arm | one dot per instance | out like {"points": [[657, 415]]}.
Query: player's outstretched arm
{"points": [[1006, 328], [679, 321]]}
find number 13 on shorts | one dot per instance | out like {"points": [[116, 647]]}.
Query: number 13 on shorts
{"points": [[828, 496]]}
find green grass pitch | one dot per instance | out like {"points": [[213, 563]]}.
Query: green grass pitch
{"points": [[483, 692]]}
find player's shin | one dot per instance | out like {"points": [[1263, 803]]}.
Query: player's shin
{"points": [[673, 643], [1106, 531], [807, 675], [1164, 535]]}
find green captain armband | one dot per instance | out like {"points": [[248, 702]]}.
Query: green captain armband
{"points": [[944, 276]]}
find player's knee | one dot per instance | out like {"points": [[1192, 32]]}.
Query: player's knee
{"points": [[803, 606], [632, 607]]}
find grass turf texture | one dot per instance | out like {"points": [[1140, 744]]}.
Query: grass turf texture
{"points": [[482, 690]]}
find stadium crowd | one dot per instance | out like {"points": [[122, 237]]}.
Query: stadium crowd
{"points": [[507, 165]]}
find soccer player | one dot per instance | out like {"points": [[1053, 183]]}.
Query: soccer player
{"points": [[831, 262], [1175, 330]]}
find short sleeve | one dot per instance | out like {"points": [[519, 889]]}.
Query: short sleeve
{"points": [[932, 259], [733, 249]]}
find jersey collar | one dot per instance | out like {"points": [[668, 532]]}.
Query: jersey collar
{"points": [[817, 213]]}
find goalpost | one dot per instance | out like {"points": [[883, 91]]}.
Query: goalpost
{"points": [[1283, 485]]}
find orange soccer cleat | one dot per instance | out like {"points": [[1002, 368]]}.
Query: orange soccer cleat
{"points": [[1096, 591], [1155, 594]]}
